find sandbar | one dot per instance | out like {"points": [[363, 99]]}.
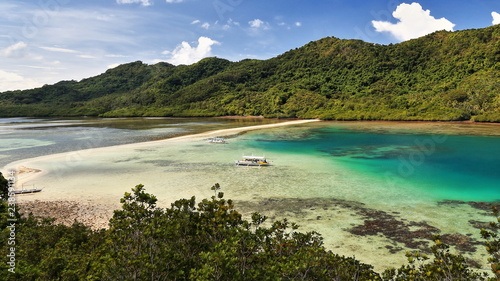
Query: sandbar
{"points": [[66, 194], [27, 172]]}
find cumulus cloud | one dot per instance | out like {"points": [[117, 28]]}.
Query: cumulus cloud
{"points": [[142, 2], [496, 18], [257, 23], [13, 49], [175, 1], [11, 81], [413, 22], [298, 24], [187, 54], [195, 21]]}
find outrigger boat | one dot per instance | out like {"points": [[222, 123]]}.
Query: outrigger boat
{"points": [[253, 161], [25, 191], [217, 140]]}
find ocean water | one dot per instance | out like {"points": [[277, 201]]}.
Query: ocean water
{"points": [[437, 166]]}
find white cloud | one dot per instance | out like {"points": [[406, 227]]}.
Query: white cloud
{"points": [[229, 24], [298, 24], [257, 23], [87, 56], [414, 22], [59, 50], [13, 49], [205, 25], [186, 54], [36, 67], [143, 2], [496, 18], [11, 81], [231, 21], [175, 1]]}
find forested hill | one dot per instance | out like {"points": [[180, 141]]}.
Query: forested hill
{"points": [[441, 76]]}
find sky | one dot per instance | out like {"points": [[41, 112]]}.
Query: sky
{"points": [[46, 41]]}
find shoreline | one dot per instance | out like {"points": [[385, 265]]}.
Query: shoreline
{"points": [[25, 171]]}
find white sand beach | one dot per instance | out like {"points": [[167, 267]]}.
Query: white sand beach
{"points": [[27, 172]]}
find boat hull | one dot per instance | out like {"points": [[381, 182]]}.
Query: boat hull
{"points": [[25, 191], [248, 163]]}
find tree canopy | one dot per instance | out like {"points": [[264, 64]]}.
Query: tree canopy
{"points": [[208, 240]]}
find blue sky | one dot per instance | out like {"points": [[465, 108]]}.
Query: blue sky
{"points": [[45, 41]]}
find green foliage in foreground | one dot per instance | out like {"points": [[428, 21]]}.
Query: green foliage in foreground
{"points": [[204, 241], [4, 187], [441, 76]]}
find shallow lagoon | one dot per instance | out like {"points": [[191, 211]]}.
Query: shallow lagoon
{"points": [[22, 138], [444, 166], [331, 177]]}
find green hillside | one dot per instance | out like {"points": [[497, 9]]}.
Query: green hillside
{"points": [[441, 76]]}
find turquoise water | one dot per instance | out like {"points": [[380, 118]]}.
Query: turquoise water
{"points": [[442, 166]]}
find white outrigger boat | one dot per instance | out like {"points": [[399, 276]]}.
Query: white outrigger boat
{"points": [[253, 161], [217, 140]]}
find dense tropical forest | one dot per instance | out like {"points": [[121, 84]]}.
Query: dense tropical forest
{"points": [[208, 240], [441, 76]]}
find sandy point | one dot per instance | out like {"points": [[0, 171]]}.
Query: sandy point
{"points": [[69, 196], [30, 169]]}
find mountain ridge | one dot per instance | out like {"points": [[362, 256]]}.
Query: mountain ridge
{"points": [[441, 76]]}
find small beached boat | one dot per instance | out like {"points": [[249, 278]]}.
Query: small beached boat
{"points": [[217, 140], [253, 161], [29, 190]]}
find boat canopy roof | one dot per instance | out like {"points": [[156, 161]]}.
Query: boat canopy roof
{"points": [[254, 157]]}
